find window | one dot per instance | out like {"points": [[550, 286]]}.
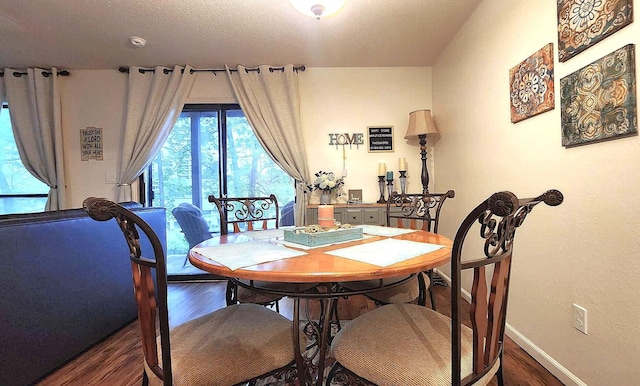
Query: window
{"points": [[20, 191], [212, 150]]}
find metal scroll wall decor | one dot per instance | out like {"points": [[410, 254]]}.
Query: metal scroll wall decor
{"points": [[531, 85], [598, 102], [583, 23]]}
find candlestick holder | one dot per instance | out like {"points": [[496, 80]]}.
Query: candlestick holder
{"points": [[381, 185], [403, 181], [390, 187]]}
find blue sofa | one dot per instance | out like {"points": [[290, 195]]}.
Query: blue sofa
{"points": [[65, 284]]}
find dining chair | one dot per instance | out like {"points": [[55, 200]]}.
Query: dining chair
{"points": [[193, 225], [228, 346], [406, 344], [412, 211], [238, 214]]}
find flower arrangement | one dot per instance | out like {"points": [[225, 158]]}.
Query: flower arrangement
{"points": [[327, 182]]}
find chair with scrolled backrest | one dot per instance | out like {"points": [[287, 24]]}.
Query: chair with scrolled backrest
{"points": [[411, 211], [239, 214], [206, 350], [247, 213], [476, 351]]}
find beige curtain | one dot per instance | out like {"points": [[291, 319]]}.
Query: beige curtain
{"points": [[154, 103], [34, 103], [270, 100]]}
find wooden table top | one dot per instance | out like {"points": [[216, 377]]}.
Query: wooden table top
{"points": [[319, 266]]}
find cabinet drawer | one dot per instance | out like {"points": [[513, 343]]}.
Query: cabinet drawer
{"points": [[353, 216], [371, 216]]}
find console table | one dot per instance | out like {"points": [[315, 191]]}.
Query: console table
{"points": [[354, 214]]}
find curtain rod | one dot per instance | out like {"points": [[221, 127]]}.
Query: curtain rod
{"points": [[213, 70], [46, 74]]}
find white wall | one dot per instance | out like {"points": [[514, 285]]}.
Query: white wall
{"points": [[584, 251], [347, 100], [92, 99]]}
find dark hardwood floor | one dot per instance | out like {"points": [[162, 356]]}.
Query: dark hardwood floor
{"points": [[118, 359]]}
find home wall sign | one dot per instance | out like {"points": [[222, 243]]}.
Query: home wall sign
{"points": [[91, 143], [343, 139], [380, 138]]}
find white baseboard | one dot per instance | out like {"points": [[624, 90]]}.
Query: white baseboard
{"points": [[553, 366]]}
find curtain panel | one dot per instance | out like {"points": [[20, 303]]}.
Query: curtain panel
{"points": [[154, 103], [270, 100], [34, 102]]}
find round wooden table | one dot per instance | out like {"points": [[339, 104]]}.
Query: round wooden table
{"points": [[318, 266]]}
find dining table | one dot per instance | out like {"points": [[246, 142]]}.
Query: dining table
{"points": [[253, 258]]}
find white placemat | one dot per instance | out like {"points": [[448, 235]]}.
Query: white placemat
{"points": [[377, 230], [385, 252], [265, 234], [239, 255]]}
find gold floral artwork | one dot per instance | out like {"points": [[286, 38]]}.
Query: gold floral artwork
{"points": [[531, 85], [598, 102], [583, 23]]}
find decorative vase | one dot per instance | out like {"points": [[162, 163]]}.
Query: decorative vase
{"points": [[325, 197]]}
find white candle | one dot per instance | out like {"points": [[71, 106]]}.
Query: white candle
{"points": [[382, 169], [403, 164], [325, 215]]}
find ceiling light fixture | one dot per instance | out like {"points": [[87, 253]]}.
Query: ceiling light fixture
{"points": [[137, 41], [317, 8]]}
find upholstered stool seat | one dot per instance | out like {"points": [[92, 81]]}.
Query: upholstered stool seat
{"points": [[416, 344], [210, 338]]}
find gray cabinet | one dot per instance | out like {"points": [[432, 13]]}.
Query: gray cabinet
{"points": [[372, 214]]}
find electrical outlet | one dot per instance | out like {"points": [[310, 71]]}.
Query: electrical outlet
{"points": [[580, 318]]}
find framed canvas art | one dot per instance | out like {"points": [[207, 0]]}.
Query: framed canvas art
{"points": [[583, 23], [598, 102], [531, 85]]}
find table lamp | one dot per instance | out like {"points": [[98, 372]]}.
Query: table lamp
{"points": [[421, 125]]}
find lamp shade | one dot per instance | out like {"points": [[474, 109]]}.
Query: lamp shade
{"points": [[420, 122]]}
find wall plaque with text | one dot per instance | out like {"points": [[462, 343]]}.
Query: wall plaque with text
{"points": [[91, 143], [380, 138]]}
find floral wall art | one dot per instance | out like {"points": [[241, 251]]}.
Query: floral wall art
{"points": [[531, 85], [598, 102], [583, 23]]}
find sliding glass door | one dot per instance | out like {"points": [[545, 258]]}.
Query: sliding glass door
{"points": [[212, 150]]}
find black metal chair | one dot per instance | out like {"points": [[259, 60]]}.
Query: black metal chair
{"points": [[238, 214], [412, 211], [417, 340], [193, 225], [230, 346]]}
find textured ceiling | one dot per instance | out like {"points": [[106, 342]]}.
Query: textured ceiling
{"points": [[93, 34]]}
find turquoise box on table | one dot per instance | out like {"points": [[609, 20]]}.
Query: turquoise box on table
{"points": [[320, 236]]}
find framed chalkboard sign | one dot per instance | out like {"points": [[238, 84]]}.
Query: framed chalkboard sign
{"points": [[380, 138]]}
